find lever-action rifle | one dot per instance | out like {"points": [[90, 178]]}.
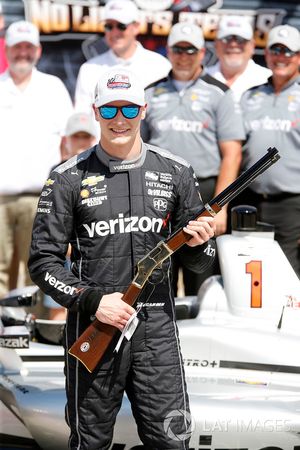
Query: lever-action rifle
{"points": [[92, 344]]}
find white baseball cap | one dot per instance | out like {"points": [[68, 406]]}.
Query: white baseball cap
{"points": [[235, 26], [186, 32], [22, 31], [285, 35], [80, 122], [123, 11], [119, 84]]}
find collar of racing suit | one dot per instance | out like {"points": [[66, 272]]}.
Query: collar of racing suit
{"points": [[118, 165]]}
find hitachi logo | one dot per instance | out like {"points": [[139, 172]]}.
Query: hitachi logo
{"points": [[124, 225], [59, 285]]}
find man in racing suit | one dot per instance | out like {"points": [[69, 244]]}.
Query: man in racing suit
{"points": [[113, 204]]}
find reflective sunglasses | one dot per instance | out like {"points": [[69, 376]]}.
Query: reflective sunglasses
{"points": [[128, 111], [233, 37], [187, 50], [119, 26], [276, 50]]}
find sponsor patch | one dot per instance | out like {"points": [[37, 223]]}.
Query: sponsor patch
{"points": [[94, 201], [154, 176], [160, 204], [59, 285], [46, 192], [159, 193], [124, 225], [155, 184], [45, 203], [85, 193], [210, 251], [119, 81], [284, 125], [49, 182], [44, 210], [165, 177], [93, 180]]}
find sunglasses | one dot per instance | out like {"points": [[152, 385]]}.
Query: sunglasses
{"points": [[119, 26], [233, 37], [276, 50], [187, 50], [128, 111]]}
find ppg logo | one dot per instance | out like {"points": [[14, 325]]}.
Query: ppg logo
{"points": [[160, 204]]}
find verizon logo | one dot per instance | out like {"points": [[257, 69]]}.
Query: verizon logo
{"points": [[124, 225], [59, 285]]}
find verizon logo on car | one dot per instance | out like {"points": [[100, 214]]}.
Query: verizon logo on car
{"points": [[124, 225], [59, 285]]}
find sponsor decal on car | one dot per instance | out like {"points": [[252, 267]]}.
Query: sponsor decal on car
{"points": [[14, 342]]}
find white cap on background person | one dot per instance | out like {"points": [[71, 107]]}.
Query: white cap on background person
{"points": [[235, 26], [80, 122], [119, 84], [22, 31], [123, 11], [285, 35], [186, 32]]}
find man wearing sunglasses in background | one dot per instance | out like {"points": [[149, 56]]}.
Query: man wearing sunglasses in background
{"points": [[195, 117], [272, 118], [114, 203], [121, 25], [234, 47]]}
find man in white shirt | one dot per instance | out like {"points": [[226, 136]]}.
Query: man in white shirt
{"points": [[234, 47], [121, 30], [34, 108]]}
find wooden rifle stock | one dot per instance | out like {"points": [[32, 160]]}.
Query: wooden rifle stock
{"points": [[90, 347]]}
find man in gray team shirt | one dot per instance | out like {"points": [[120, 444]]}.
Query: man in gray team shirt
{"points": [[272, 118], [194, 116]]}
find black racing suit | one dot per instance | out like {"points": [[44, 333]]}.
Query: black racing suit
{"points": [[113, 213]]}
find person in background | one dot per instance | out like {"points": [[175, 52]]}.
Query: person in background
{"points": [[272, 119], [234, 46], [102, 204], [34, 108], [3, 60], [121, 26], [80, 135], [195, 117]]}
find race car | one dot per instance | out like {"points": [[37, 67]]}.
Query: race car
{"points": [[239, 339]]}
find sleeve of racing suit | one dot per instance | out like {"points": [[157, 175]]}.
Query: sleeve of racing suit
{"points": [[196, 259], [52, 232]]}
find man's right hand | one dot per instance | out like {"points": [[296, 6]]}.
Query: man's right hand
{"points": [[113, 311]]}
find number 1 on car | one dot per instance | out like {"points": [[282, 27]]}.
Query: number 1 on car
{"points": [[254, 268]]}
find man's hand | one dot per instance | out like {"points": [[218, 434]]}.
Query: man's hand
{"points": [[113, 311], [201, 230]]}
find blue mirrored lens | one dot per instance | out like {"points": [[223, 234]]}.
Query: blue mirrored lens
{"points": [[128, 111], [108, 112]]}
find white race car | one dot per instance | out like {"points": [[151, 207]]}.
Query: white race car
{"points": [[239, 340]]}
